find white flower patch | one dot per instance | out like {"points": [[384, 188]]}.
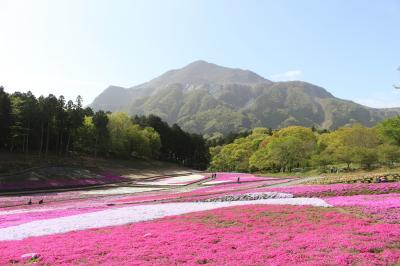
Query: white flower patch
{"points": [[216, 182], [20, 211], [119, 190], [175, 180], [132, 214]]}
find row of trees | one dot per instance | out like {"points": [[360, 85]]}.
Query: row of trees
{"points": [[298, 147], [44, 124], [53, 125], [177, 145]]}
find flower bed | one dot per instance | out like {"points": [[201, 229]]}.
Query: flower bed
{"points": [[51, 209], [119, 190], [175, 180], [242, 235], [379, 207], [118, 216], [12, 219], [337, 189]]}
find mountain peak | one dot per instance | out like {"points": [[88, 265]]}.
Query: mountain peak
{"points": [[201, 72], [199, 62]]}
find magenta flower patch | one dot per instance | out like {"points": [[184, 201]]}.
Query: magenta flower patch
{"points": [[243, 235]]}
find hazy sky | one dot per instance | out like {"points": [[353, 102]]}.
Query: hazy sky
{"points": [[352, 48]]}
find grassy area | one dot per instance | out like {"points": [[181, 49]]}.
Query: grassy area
{"points": [[17, 162], [358, 175], [371, 177]]}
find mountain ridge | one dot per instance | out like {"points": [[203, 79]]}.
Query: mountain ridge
{"points": [[206, 98]]}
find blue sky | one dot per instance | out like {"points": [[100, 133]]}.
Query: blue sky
{"points": [[70, 47]]}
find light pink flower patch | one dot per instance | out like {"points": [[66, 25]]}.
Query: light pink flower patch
{"points": [[385, 200], [384, 207], [148, 197], [337, 189], [243, 235], [175, 180], [21, 218]]}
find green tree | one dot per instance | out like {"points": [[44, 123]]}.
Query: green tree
{"points": [[367, 156], [235, 156], [86, 136], [286, 152], [118, 127], [177, 145], [100, 121], [322, 159], [353, 144], [5, 117], [128, 139], [260, 160], [306, 135], [345, 154], [153, 141], [389, 130], [389, 154]]}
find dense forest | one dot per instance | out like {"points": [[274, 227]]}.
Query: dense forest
{"points": [[51, 125], [297, 148]]}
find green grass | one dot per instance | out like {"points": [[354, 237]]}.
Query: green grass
{"points": [[356, 170]]}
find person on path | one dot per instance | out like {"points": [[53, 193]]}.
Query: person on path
{"points": [[238, 180], [41, 201]]}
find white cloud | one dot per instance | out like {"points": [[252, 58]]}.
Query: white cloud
{"points": [[288, 75]]}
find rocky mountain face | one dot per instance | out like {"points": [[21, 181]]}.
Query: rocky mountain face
{"points": [[206, 98]]}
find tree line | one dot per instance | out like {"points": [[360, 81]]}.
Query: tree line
{"points": [[297, 148], [51, 125]]}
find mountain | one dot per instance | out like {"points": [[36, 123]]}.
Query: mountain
{"points": [[198, 73], [207, 98]]}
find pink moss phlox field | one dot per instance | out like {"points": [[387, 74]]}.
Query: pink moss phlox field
{"points": [[203, 178], [245, 235], [337, 189], [55, 205], [148, 197], [199, 193], [20, 218], [384, 207], [385, 200]]}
